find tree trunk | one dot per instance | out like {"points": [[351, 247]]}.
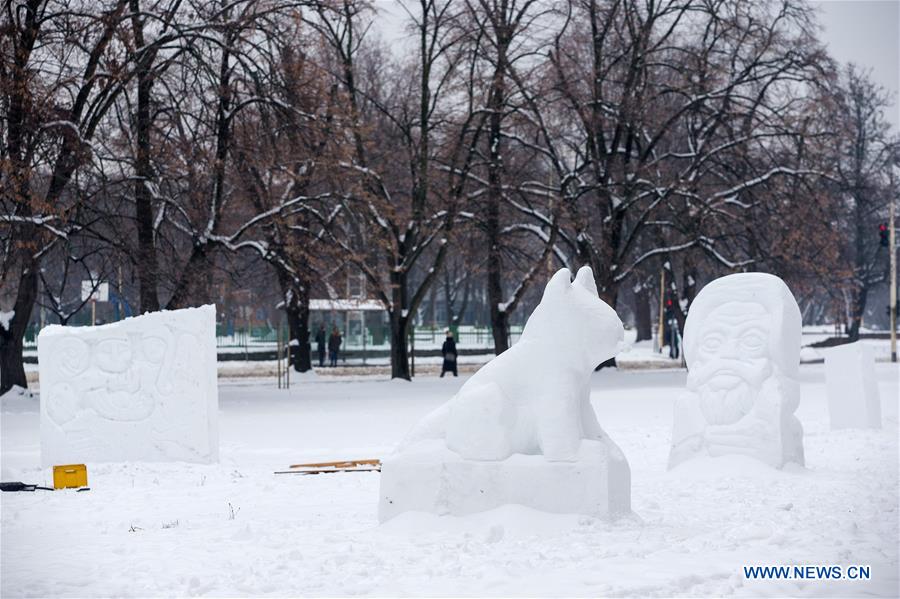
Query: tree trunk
{"points": [[461, 312], [399, 348], [496, 103], [448, 300], [643, 321], [399, 316], [499, 329], [857, 307], [296, 308], [147, 262], [17, 174], [298, 325], [499, 317], [432, 306], [192, 288], [860, 291], [12, 369]]}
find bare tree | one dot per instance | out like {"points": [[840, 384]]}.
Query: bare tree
{"points": [[285, 154], [55, 95], [408, 222], [501, 39], [864, 147], [187, 189], [150, 59], [176, 139], [663, 98]]}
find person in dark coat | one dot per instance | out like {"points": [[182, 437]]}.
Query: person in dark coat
{"points": [[320, 343], [448, 350], [673, 339], [334, 345]]}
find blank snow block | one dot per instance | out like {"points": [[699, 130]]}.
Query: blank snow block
{"points": [[853, 400], [142, 389], [431, 478]]}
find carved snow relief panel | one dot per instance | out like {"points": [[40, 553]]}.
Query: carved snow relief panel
{"points": [[142, 389]]}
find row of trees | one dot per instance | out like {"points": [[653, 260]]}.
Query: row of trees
{"points": [[165, 141]]}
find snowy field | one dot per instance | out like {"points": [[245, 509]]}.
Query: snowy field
{"points": [[235, 528]]}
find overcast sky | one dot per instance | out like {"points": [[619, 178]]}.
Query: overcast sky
{"points": [[865, 32]]}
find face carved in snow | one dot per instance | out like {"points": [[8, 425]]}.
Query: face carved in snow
{"points": [[742, 348], [142, 389], [732, 361]]}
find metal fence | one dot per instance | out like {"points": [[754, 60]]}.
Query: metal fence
{"points": [[374, 336]]}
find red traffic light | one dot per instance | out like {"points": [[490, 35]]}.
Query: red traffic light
{"points": [[882, 227]]}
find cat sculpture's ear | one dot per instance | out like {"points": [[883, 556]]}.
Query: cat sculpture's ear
{"points": [[585, 278], [558, 283]]}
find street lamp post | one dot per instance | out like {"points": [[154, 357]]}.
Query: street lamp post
{"points": [[893, 248], [660, 331]]}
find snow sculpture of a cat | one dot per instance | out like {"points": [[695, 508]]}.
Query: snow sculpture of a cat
{"points": [[534, 398], [522, 430]]}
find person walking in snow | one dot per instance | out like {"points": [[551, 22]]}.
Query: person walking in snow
{"points": [[320, 343], [448, 350], [334, 345]]}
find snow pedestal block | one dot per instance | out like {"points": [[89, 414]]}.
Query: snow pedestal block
{"points": [[853, 400], [433, 479], [522, 429], [141, 389]]}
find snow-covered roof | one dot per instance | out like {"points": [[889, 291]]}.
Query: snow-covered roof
{"points": [[345, 305]]}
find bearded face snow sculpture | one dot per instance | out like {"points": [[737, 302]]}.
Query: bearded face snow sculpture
{"points": [[742, 347]]}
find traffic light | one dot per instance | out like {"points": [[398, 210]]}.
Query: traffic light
{"points": [[883, 234]]}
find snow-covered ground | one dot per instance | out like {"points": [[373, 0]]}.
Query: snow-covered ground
{"points": [[236, 528]]}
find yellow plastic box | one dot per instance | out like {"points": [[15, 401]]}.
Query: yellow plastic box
{"points": [[69, 476]]}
